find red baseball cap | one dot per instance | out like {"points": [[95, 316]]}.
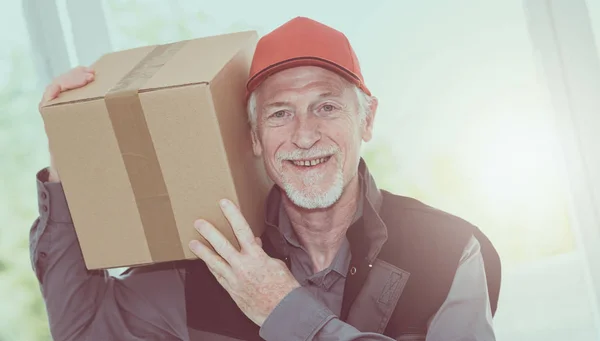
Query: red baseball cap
{"points": [[304, 42]]}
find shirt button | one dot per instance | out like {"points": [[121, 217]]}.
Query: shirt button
{"points": [[44, 208], [353, 270], [43, 255], [44, 195]]}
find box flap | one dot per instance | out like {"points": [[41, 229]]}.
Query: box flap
{"points": [[110, 68], [200, 60]]}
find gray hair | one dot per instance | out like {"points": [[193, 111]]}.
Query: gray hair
{"points": [[364, 106]]}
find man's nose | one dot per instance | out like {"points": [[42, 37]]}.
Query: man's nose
{"points": [[306, 132]]}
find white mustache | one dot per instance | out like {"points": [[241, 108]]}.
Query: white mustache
{"points": [[300, 154]]}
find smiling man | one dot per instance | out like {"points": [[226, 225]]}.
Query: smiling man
{"points": [[340, 259]]}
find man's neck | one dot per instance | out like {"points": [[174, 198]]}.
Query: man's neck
{"points": [[322, 231]]}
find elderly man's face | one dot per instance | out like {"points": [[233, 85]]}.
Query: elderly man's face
{"points": [[309, 132]]}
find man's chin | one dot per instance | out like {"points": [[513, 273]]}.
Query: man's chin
{"points": [[310, 200]]}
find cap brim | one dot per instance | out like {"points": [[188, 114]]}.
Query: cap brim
{"points": [[260, 77]]}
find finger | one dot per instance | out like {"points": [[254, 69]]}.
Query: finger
{"points": [[82, 68], [217, 265], [74, 80], [51, 93], [238, 223], [224, 283], [217, 240], [89, 69]]}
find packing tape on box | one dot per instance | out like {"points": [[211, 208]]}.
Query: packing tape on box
{"points": [[141, 162]]}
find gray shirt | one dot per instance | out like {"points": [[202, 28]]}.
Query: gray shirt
{"points": [[150, 305], [326, 285]]}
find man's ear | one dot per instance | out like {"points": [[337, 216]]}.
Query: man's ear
{"points": [[256, 146], [367, 130]]}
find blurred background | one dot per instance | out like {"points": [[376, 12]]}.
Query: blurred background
{"points": [[489, 110]]}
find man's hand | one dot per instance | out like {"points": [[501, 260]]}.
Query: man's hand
{"points": [[73, 79], [255, 281]]}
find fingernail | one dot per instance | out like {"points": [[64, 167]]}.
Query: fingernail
{"points": [[89, 77], [199, 223], [193, 244], [224, 202]]}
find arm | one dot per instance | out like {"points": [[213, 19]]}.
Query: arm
{"points": [[466, 313], [91, 305], [464, 316], [301, 317]]}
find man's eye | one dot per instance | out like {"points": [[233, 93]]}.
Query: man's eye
{"points": [[328, 108], [278, 114]]}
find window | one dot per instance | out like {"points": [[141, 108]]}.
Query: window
{"points": [[23, 151]]}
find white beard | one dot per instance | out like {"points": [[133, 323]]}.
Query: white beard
{"points": [[312, 196]]}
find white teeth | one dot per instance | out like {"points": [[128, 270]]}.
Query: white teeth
{"points": [[307, 163]]}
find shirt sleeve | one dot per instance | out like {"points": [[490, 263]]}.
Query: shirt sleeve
{"points": [[302, 317], [147, 304], [465, 315]]}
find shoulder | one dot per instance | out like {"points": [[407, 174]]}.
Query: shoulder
{"points": [[410, 216], [438, 237]]}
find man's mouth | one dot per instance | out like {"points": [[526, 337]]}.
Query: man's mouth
{"points": [[310, 162]]}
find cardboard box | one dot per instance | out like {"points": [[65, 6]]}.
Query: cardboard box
{"points": [[152, 145]]}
